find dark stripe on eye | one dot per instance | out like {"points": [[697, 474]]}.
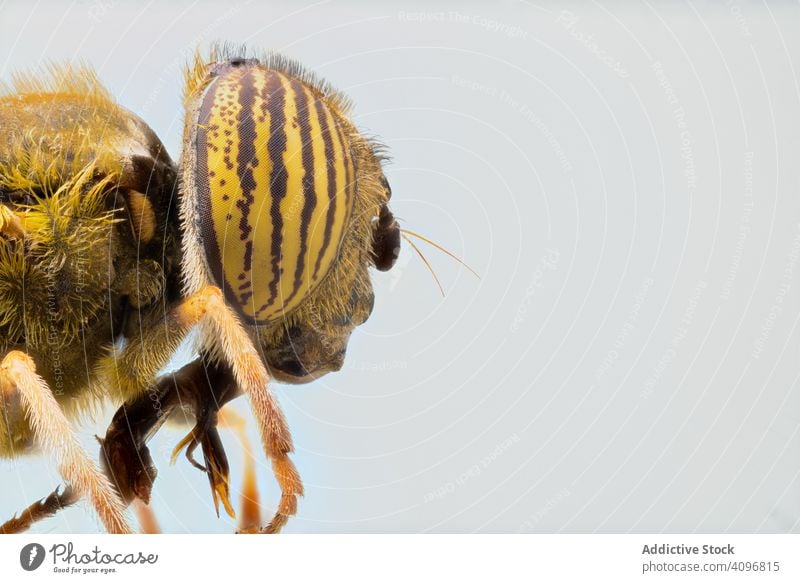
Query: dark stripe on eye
{"points": [[349, 173], [332, 179], [247, 154], [248, 258], [309, 192], [208, 233], [276, 146]]}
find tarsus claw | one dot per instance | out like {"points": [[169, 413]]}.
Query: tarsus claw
{"points": [[216, 466]]}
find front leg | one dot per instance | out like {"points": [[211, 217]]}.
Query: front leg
{"points": [[53, 432], [124, 455], [225, 340], [41, 509], [203, 388]]}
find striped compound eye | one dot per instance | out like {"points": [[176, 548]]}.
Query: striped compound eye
{"points": [[274, 187]]}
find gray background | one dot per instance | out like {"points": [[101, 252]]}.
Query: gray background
{"points": [[625, 178]]}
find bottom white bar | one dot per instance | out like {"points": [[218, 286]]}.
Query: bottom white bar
{"points": [[485, 558]]}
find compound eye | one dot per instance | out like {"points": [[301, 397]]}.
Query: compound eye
{"points": [[272, 210], [386, 244]]}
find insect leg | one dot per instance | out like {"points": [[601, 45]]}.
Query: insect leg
{"points": [[123, 452], [226, 338], [41, 509], [148, 523], [54, 433], [223, 340], [205, 387], [250, 513], [199, 386]]}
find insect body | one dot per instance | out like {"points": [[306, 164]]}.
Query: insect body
{"points": [[282, 199], [84, 197], [283, 210]]}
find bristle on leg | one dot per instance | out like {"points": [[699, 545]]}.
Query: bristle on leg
{"points": [[226, 337], [39, 510], [55, 435]]}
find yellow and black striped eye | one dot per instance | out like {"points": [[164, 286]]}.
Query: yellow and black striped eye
{"points": [[275, 183]]}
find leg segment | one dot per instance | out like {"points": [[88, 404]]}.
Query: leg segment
{"points": [[148, 523], [39, 510], [226, 339], [54, 434], [201, 388], [250, 513], [124, 455], [223, 340]]}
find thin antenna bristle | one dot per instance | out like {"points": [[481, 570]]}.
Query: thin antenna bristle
{"points": [[440, 248], [428, 265]]}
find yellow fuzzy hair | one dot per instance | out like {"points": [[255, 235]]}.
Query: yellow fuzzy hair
{"points": [[197, 73], [58, 78], [66, 223]]}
